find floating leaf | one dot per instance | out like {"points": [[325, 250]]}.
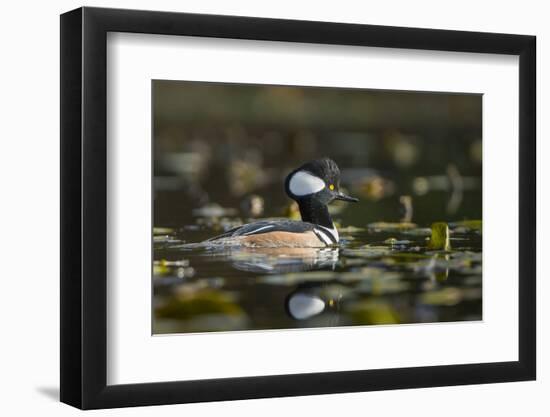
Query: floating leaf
{"points": [[188, 304], [388, 227], [162, 230], [367, 251], [298, 277], [164, 262], [373, 312], [418, 231], [395, 242], [385, 283], [351, 229], [328, 276], [165, 239], [449, 296], [407, 258], [439, 239], [467, 225], [160, 270]]}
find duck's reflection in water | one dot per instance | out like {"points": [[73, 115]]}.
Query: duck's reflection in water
{"points": [[311, 300], [307, 300], [301, 306], [280, 260]]}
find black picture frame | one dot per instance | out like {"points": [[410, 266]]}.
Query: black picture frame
{"points": [[84, 207]]}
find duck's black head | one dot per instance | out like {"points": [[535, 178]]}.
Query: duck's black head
{"points": [[318, 180]]}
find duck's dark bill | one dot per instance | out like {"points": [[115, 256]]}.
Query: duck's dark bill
{"points": [[343, 197]]}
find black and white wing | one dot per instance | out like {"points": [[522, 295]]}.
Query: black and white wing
{"points": [[268, 226]]}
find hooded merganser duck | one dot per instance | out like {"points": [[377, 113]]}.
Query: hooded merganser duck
{"points": [[313, 186]]}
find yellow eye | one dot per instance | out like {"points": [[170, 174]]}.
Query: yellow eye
{"points": [[331, 187]]}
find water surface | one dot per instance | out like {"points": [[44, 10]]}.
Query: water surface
{"points": [[380, 274]]}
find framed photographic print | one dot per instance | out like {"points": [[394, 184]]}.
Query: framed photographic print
{"points": [[257, 207]]}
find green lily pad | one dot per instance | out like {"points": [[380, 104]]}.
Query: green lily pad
{"points": [[162, 230], [373, 312], [351, 229], [439, 239], [388, 227], [367, 251], [188, 304], [467, 225], [449, 296]]}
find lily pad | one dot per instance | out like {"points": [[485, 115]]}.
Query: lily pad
{"points": [[439, 239], [351, 229], [445, 297], [165, 239], [162, 230], [373, 312], [418, 231], [388, 227], [467, 225], [189, 304], [369, 252]]}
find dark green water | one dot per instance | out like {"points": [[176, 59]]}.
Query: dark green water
{"points": [[380, 274]]}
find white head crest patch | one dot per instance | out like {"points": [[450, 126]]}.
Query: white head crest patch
{"points": [[304, 183]]}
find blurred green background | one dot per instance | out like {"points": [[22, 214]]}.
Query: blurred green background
{"points": [[231, 146]]}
